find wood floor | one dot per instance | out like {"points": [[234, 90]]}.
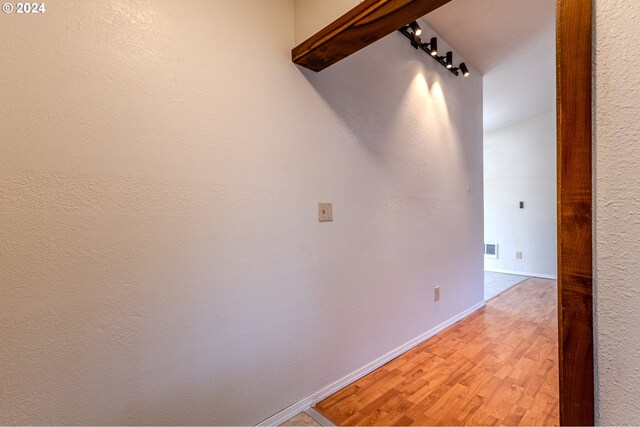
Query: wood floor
{"points": [[498, 366]]}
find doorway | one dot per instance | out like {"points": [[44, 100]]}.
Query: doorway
{"points": [[573, 27], [357, 29], [512, 44]]}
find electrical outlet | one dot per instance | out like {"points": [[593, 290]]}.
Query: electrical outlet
{"points": [[436, 293], [518, 255]]}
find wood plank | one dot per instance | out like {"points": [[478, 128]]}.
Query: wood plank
{"points": [[368, 22], [452, 379], [575, 212]]}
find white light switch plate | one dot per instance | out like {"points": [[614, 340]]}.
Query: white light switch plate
{"points": [[325, 212]]}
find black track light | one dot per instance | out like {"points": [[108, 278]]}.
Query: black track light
{"points": [[415, 28], [413, 31], [461, 68], [464, 69], [416, 41], [433, 46]]}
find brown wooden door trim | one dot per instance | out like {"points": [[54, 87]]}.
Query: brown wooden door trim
{"points": [[374, 19], [575, 272]]}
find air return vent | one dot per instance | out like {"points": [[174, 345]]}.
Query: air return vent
{"points": [[491, 250]]}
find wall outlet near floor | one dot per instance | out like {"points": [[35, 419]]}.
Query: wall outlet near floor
{"points": [[436, 293], [519, 255]]}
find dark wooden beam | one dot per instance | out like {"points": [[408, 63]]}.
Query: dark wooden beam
{"points": [[368, 22], [575, 316]]}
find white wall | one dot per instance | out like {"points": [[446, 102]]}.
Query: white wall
{"points": [[617, 229], [161, 258], [313, 15], [521, 84], [520, 165]]}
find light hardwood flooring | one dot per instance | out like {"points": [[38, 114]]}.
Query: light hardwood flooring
{"points": [[498, 366]]}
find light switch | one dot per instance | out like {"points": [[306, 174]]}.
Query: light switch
{"points": [[325, 212]]}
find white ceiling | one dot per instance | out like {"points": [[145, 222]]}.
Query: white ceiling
{"points": [[512, 43]]}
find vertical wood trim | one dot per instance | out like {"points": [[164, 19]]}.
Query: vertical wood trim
{"points": [[575, 312]]}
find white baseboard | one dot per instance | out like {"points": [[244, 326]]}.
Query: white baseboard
{"points": [[327, 391], [522, 273]]}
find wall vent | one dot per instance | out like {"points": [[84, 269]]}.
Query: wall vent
{"points": [[491, 250]]}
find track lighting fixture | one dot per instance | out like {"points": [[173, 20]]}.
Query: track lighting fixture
{"points": [[415, 28], [413, 31], [433, 46], [416, 41], [464, 69], [448, 60]]}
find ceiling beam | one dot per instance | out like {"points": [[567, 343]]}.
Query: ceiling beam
{"points": [[366, 23]]}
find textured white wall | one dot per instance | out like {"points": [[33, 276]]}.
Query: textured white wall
{"points": [[617, 206], [161, 260], [313, 15], [521, 84], [520, 165]]}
